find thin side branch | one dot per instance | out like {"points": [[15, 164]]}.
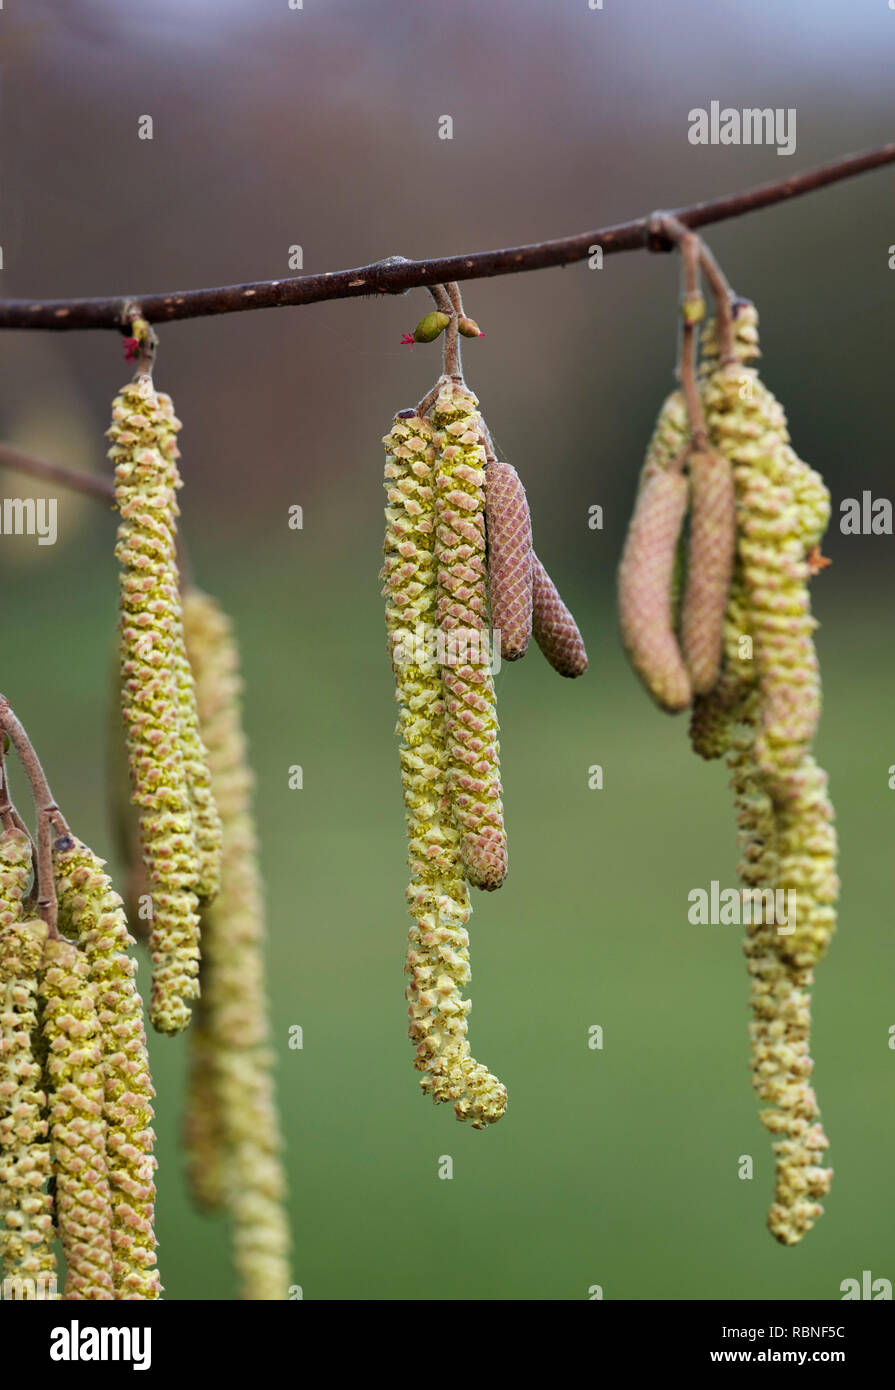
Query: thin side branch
{"points": [[396, 275], [92, 484], [46, 810]]}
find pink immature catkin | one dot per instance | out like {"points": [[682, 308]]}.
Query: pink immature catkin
{"points": [[553, 627], [709, 567], [508, 529], [645, 587]]}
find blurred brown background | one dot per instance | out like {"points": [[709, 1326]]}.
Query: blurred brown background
{"points": [[319, 127]]}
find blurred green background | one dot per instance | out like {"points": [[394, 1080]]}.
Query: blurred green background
{"points": [[615, 1167]]}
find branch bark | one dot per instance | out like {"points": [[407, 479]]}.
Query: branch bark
{"points": [[396, 275]]}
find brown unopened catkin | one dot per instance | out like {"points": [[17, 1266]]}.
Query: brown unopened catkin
{"points": [[553, 627], [508, 529], [711, 548], [645, 588]]}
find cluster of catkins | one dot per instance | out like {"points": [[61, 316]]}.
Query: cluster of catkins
{"points": [[715, 613], [76, 1096], [180, 830], [459, 565]]}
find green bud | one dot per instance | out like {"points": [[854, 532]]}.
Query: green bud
{"points": [[469, 328], [430, 327]]}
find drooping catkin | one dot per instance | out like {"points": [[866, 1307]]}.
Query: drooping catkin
{"points": [[240, 1115], [780, 1030], [74, 1082], [437, 895], [470, 705], [782, 510], [508, 533], [144, 451], [91, 912], [553, 627], [26, 1207], [204, 1135], [647, 567], [710, 557]]}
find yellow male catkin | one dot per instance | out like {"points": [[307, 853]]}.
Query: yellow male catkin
{"points": [[144, 451], [765, 712], [91, 912], [26, 1219], [782, 510], [237, 1126], [470, 704], [74, 1083], [780, 1031], [437, 895]]}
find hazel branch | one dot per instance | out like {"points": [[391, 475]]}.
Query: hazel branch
{"points": [[91, 484], [47, 811], [396, 274]]}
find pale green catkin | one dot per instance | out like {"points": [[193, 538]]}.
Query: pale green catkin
{"points": [[233, 1047], [26, 1208], [437, 895], [782, 511], [780, 1031], [144, 451], [91, 911], [764, 711]]}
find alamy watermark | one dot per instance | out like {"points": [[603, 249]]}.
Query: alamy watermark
{"points": [[430, 647], [752, 126], [29, 516], [24, 1289], [743, 907]]}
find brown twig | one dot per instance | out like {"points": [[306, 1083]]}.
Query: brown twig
{"points": [[91, 484], [693, 309], [46, 809], [395, 274]]}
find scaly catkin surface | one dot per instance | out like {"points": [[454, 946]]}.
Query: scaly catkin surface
{"points": [[646, 574], [508, 531], [74, 1070], [26, 1208], [711, 549], [144, 451], [553, 627], [470, 704], [91, 911]]}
